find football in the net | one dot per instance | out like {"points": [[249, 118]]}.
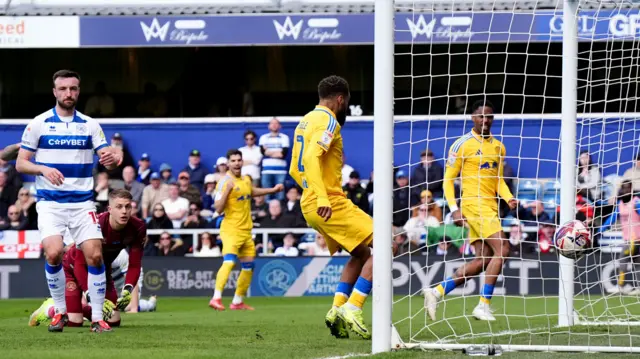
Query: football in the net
{"points": [[572, 239]]}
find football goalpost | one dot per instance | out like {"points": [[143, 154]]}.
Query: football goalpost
{"points": [[583, 78]]}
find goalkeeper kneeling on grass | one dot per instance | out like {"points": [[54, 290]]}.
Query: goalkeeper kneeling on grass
{"points": [[628, 211]]}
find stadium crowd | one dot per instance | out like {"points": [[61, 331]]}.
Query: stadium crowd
{"points": [[183, 199]]}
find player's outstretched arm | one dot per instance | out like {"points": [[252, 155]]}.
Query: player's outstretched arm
{"points": [[10, 152], [255, 191]]}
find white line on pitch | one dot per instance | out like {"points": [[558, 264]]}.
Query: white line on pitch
{"points": [[351, 355]]}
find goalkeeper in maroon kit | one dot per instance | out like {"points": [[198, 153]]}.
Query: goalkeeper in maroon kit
{"points": [[120, 231]]}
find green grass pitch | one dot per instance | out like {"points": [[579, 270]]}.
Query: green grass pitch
{"points": [[280, 328]]}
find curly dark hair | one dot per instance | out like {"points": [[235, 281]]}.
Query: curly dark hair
{"points": [[333, 86]]}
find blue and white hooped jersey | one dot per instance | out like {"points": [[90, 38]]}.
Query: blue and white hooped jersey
{"points": [[68, 145], [274, 165]]}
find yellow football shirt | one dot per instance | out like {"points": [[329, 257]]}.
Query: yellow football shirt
{"points": [[479, 162], [316, 159], [237, 210]]}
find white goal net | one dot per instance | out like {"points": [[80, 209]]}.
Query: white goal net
{"points": [[450, 54]]}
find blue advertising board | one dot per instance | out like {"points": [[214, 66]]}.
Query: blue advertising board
{"points": [[532, 144], [327, 29]]}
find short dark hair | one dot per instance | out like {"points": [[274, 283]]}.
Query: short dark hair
{"points": [[481, 103], [120, 193], [65, 74], [233, 152], [333, 86], [250, 132]]}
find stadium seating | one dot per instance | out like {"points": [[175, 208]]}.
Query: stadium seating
{"points": [[528, 190]]}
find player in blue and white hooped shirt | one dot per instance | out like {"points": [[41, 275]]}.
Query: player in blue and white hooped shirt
{"points": [[63, 142]]}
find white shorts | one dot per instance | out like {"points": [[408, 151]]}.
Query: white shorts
{"points": [[80, 222]]}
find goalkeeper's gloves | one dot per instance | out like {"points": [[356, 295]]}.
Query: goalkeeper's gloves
{"points": [[107, 309], [125, 297]]}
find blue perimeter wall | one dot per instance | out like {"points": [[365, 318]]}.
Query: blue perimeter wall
{"points": [[532, 144]]}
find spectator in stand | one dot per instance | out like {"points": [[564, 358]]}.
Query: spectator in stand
{"points": [[144, 169], [207, 246], [159, 220], [532, 213], [209, 192], [100, 104], [194, 220], [251, 156], [127, 159], [633, 174], [175, 206], [416, 226], [292, 204], [26, 204], [135, 209], [545, 235], [101, 192], [153, 194], [401, 243], [195, 170], [15, 220], [275, 148], [288, 248], [346, 170], [247, 102], [277, 219], [402, 199], [369, 190], [444, 248], [356, 193], [428, 175], [220, 169], [588, 176], [169, 247], [433, 209], [259, 209], [130, 184], [13, 177], [317, 248], [152, 104], [187, 190], [517, 237], [166, 175], [8, 195]]}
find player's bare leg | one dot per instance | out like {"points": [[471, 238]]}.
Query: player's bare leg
{"points": [[97, 282], [351, 312], [53, 249], [432, 296], [500, 248], [244, 281]]}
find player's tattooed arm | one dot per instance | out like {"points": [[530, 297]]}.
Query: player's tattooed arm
{"points": [[10, 152]]}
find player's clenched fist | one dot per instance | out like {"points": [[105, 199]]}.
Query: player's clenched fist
{"points": [[513, 203], [278, 188], [109, 158], [458, 218], [53, 175]]}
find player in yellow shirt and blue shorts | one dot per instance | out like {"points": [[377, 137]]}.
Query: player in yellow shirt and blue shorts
{"points": [[478, 158], [316, 165], [233, 199]]}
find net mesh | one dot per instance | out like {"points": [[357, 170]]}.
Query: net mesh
{"points": [[511, 55]]}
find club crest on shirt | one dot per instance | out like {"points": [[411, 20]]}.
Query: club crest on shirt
{"points": [[81, 128]]}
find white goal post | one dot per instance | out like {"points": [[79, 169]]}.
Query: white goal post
{"points": [[581, 315]]}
